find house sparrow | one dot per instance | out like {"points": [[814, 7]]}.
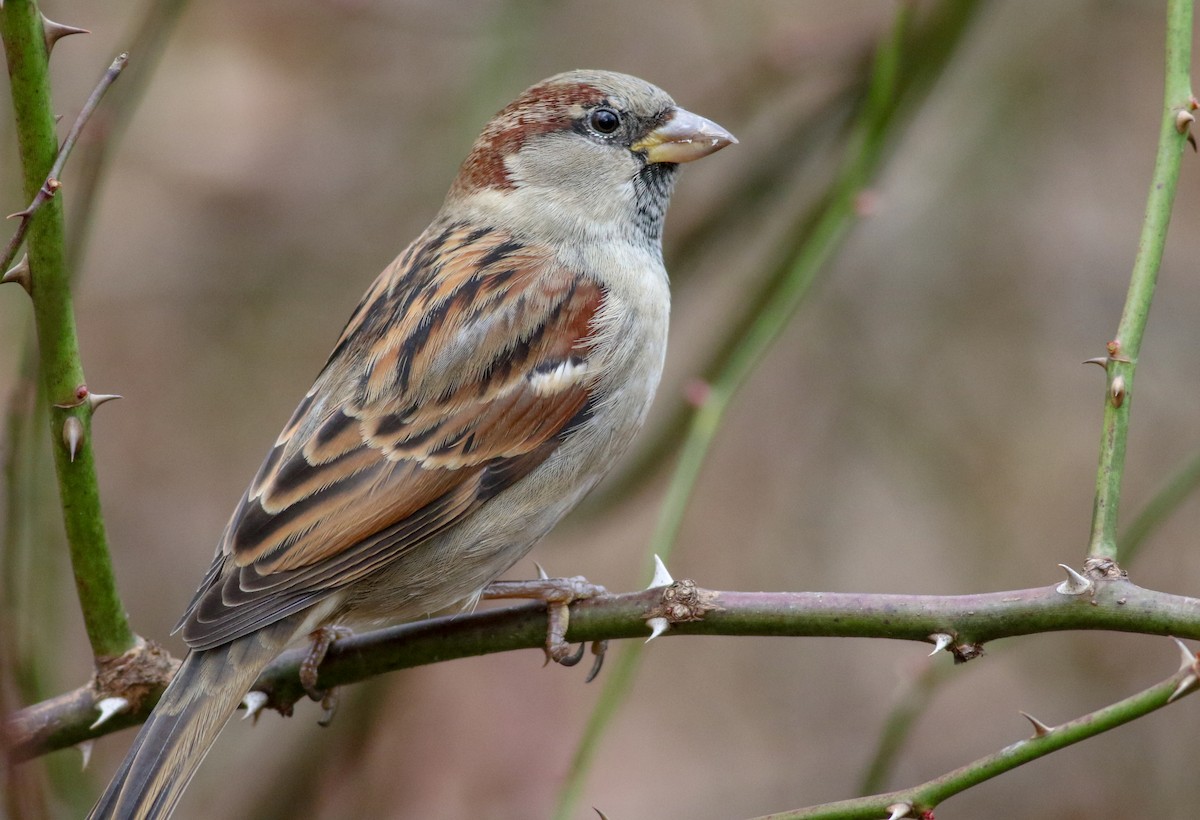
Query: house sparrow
{"points": [[489, 378]]}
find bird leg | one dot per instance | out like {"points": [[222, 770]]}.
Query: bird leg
{"points": [[557, 594], [322, 638]]}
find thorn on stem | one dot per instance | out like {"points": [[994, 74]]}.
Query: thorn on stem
{"points": [[1100, 360], [1186, 685], [72, 433], [1116, 391], [1075, 584], [19, 273], [107, 708], [1039, 729], [940, 641], [85, 749], [658, 624], [657, 627], [897, 811], [254, 701], [53, 32], [1183, 121], [97, 399], [1188, 657], [661, 577]]}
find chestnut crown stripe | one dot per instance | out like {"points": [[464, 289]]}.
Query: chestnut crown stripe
{"points": [[557, 104]]}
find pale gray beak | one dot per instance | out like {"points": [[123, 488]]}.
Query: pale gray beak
{"points": [[683, 138]]}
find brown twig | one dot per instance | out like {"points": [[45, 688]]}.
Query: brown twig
{"points": [[52, 184]]}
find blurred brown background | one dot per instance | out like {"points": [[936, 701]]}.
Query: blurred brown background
{"points": [[924, 426]]}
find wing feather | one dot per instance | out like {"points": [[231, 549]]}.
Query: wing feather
{"points": [[435, 399]]}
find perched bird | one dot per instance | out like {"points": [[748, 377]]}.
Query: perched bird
{"points": [[489, 378]]}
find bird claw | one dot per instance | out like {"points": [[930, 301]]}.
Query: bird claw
{"points": [[322, 638], [562, 654], [558, 594]]}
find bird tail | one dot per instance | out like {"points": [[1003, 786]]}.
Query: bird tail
{"points": [[183, 726]]}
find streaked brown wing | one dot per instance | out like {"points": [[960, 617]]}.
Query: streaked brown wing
{"points": [[461, 371]]}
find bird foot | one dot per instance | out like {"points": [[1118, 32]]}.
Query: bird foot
{"points": [[558, 594], [322, 638]]}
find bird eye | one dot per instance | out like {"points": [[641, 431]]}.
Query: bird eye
{"points": [[604, 120]]}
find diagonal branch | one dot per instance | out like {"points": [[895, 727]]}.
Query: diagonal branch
{"points": [[920, 801], [50, 187]]}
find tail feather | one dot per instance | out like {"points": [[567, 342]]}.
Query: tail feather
{"points": [[183, 726]]}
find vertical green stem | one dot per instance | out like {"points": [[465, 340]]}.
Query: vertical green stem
{"points": [[60, 365], [1123, 350]]}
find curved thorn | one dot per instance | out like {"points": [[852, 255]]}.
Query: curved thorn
{"points": [[1039, 729], [661, 577], [72, 434], [601, 814], [85, 748], [657, 627], [541, 572], [1075, 584], [254, 701], [1188, 657], [1100, 360], [1183, 121], [940, 641], [899, 810], [109, 707]]}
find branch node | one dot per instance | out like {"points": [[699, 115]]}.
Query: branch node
{"points": [[1075, 584], [77, 399], [136, 675], [1039, 729], [109, 707], [680, 601], [72, 434]]}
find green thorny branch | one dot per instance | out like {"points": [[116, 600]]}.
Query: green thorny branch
{"points": [[43, 272]]}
